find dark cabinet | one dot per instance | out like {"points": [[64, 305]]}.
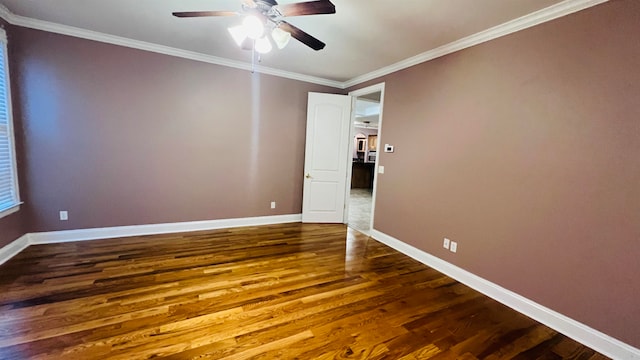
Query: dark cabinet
{"points": [[362, 175]]}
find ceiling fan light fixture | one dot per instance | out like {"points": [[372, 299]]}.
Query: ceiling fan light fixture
{"points": [[263, 18], [263, 45], [253, 27], [238, 33], [280, 37]]}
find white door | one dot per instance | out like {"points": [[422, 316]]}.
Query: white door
{"points": [[325, 158]]}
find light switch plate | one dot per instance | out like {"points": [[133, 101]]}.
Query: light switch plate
{"points": [[445, 243], [381, 169], [454, 246]]}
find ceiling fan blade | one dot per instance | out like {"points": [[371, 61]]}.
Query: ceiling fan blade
{"points": [[302, 36], [186, 14], [306, 8]]}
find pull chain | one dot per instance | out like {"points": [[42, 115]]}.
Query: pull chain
{"points": [[253, 57]]}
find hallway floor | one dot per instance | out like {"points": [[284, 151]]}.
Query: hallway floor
{"points": [[360, 209]]}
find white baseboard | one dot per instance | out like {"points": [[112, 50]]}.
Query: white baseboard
{"points": [[14, 248], [595, 339], [153, 229]]}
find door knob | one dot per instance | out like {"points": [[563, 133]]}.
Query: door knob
{"points": [[308, 176]]}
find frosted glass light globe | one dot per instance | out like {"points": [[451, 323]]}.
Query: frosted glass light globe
{"points": [[263, 45], [253, 26], [280, 37], [238, 33]]}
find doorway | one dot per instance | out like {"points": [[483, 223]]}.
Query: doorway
{"points": [[365, 132]]}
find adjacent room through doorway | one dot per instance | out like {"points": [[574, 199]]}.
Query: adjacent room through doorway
{"points": [[363, 165]]}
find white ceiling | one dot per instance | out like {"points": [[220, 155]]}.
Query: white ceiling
{"points": [[367, 112], [363, 37]]}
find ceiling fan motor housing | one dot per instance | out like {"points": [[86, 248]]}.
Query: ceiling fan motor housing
{"points": [[265, 8], [268, 3]]}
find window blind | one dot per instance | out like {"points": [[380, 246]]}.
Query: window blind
{"points": [[8, 176]]}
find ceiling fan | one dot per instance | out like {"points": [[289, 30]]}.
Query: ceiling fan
{"points": [[267, 14]]}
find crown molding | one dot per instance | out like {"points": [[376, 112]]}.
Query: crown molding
{"points": [[538, 17], [5, 13], [535, 18], [161, 49]]}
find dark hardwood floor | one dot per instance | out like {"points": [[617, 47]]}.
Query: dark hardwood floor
{"points": [[293, 291]]}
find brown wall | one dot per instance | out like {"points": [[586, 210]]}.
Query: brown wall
{"points": [[118, 136], [11, 228], [526, 151]]}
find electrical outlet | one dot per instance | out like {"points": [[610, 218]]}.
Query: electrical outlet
{"points": [[64, 215], [454, 247], [445, 243], [273, 204]]}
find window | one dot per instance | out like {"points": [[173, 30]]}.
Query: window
{"points": [[9, 199]]}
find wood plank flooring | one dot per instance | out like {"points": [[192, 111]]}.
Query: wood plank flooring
{"points": [[293, 291]]}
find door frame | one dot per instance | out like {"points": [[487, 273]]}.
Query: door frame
{"points": [[354, 95]]}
